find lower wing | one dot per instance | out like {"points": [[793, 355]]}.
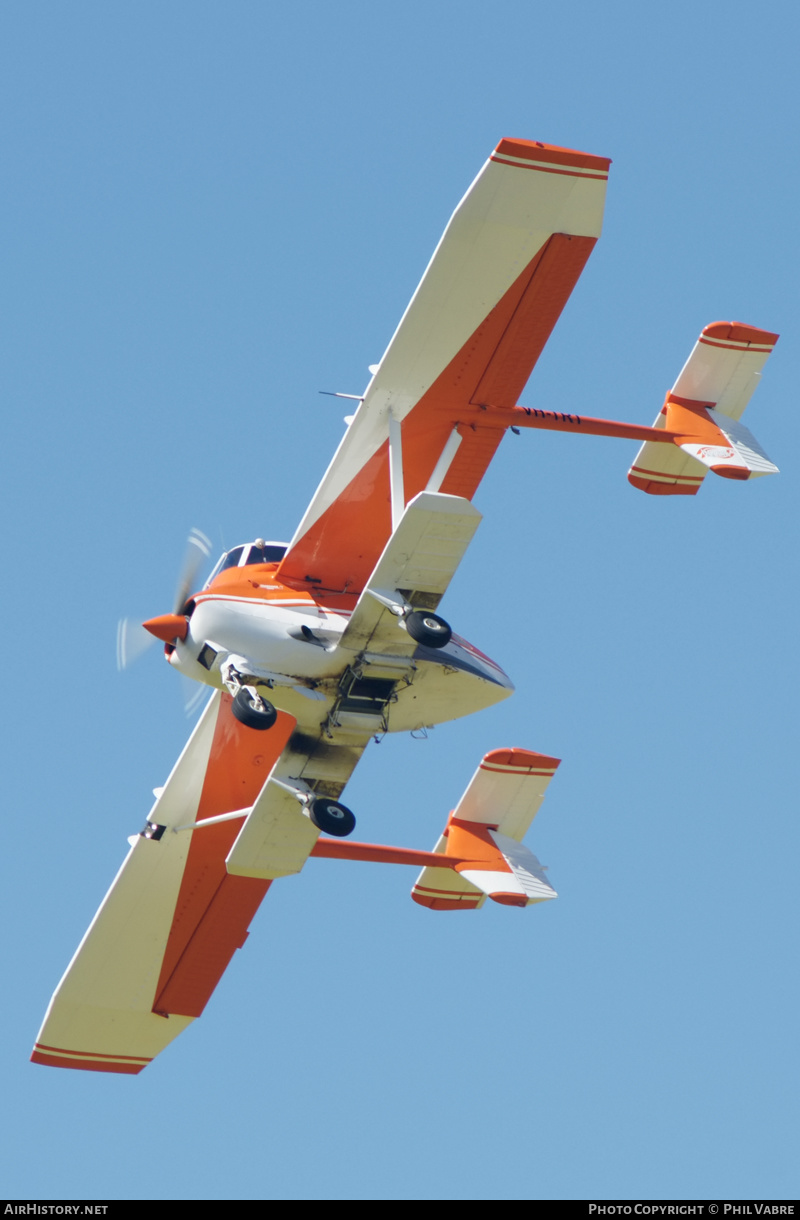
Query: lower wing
{"points": [[174, 916]]}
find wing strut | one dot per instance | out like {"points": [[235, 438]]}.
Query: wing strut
{"points": [[445, 461], [397, 491]]}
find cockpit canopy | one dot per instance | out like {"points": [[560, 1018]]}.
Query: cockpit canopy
{"points": [[250, 552]]}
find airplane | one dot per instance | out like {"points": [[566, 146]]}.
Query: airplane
{"points": [[314, 647]]}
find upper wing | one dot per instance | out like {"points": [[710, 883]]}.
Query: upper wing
{"points": [[470, 337]]}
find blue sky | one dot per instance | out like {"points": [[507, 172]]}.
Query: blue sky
{"points": [[211, 213]]}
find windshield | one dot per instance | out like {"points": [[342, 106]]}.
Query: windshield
{"points": [[249, 552]]}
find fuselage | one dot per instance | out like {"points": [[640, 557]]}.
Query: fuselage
{"points": [[288, 639]]}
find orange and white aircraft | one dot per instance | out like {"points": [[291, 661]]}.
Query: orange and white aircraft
{"points": [[314, 647]]}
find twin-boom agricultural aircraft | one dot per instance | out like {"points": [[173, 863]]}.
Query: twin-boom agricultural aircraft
{"points": [[314, 647]]}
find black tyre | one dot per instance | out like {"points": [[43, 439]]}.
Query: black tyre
{"points": [[255, 712], [428, 629], [331, 818]]}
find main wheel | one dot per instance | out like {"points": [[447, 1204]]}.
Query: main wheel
{"points": [[331, 817], [252, 710], [428, 629]]}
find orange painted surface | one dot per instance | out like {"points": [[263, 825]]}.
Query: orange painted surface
{"points": [[740, 473], [577, 425], [476, 847], [376, 853], [537, 764], [655, 488], [691, 423], [434, 900], [168, 627], [222, 930], [214, 909], [341, 548], [258, 582]]}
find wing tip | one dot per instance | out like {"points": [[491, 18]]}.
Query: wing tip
{"points": [[445, 900], [518, 759], [660, 487], [551, 154], [739, 333], [88, 1061]]}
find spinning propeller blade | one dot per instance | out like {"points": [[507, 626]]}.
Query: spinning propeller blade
{"points": [[133, 639], [198, 549], [132, 642]]}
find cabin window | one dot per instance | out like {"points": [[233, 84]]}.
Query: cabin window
{"points": [[240, 556], [270, 552]]}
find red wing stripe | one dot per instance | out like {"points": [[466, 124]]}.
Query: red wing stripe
{"points": [[737, 347], [517, 770], [548, 169], [55, 1050], [660, 474], [551, 154], [88, 1065], [426, 889]]}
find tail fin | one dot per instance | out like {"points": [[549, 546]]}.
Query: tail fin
{"points": [[485, 830], [704, 408]]}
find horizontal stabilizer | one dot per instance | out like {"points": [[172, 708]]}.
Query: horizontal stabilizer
{"points": [[738, 456], [485, 831], [520, 883], [702, 411]]}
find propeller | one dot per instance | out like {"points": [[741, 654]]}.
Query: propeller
{"points": [[198, 549], [133, 639]]}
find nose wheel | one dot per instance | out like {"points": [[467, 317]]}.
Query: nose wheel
{"points": [[331, 818], [250, 709]]}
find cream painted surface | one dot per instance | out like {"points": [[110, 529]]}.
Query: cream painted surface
{"points": [[526, 867], [277, 838], [747, 447], [509, 799], [725, 376], [103, 1002], [491, 882]]}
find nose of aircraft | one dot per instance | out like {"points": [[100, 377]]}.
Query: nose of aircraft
{"points": [[168, 627]]}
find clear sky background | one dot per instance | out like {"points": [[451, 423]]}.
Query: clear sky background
{"points": [[211, 212]]}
